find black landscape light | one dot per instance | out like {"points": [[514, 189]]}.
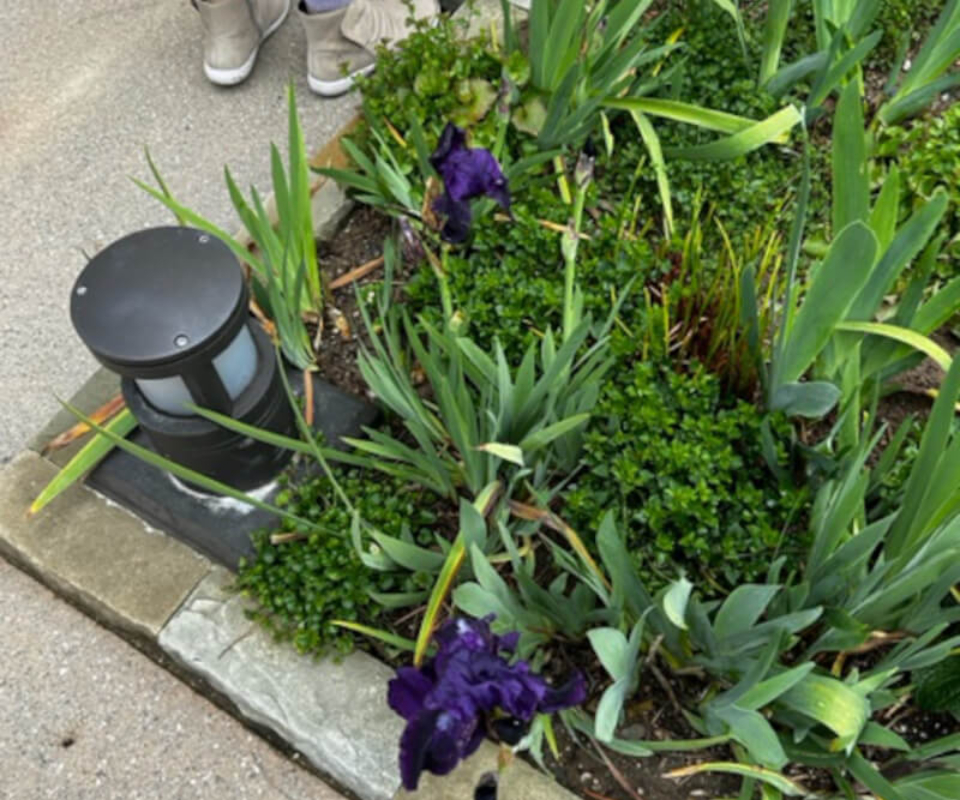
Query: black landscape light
{"points": [[167, 309]]}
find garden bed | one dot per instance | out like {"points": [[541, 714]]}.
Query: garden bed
{"points": [[669, 420]]}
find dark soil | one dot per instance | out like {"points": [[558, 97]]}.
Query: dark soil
{"points": [[912, 399], [651, 716], [359, 241]]}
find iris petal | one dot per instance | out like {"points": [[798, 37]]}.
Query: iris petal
{"points": [[458, 217], [572, 693], [407, 691], [447, 701], [467, 173], [415, 746]]}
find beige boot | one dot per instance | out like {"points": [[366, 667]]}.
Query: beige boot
{"points": [[233, 33], [342, 44]]}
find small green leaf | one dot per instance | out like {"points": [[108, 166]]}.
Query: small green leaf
{"points": [[935, 785], [408, 555], [746, 141], [545, 436], [610, 647], [677, 111], [919, 342], [652, 142], [876, 735], [391, 639], [938, 687], [812, 399], [774, 33], [753, 731], [833, 704], [742, 608], [851, 184], [833, 289], [444, 583], [675, 602], [508, 452]]}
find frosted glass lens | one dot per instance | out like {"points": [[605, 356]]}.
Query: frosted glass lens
{"points": [[237, 365], [167, 394]]}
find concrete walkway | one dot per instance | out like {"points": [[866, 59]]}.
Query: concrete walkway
{"points": [[84, 85], [84, 716]]}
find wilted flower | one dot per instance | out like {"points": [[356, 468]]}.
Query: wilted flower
{"points": [[410, 244], [446, 702], [583, 172], [467, 173]]}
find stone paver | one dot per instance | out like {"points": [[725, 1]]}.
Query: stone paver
{"points": [[101, 555], [334, 713], [83, 716]]}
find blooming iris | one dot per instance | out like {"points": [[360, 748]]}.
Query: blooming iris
{"points": [[447, 700], [467, 173]]}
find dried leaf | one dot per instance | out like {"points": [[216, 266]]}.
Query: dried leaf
{"points": [[341, 323], [308, 397], [106, 412], [357, 273]]}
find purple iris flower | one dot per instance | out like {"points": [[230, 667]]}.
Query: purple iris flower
{"points": [[467, 173], [446, 702]]}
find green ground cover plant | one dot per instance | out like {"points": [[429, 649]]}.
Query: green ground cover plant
{"points": [[683, 468], [306, 576], [506, 286]]}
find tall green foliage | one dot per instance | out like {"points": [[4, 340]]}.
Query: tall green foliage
{"points": [[868, 254], [288, 279], [490, 420], [929, 71]]}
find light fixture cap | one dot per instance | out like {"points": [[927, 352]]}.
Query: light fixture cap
{"points": [[160, 302]]}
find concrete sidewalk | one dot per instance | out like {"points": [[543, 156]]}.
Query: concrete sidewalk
{"points": [[84, 85], [83, 715]]}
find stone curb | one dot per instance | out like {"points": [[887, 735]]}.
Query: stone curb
{"points": [[334, 713], [175, 606], [98, 555]]}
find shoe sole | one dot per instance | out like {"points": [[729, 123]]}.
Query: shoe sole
{"points": [[337, 87], [231, 77]]}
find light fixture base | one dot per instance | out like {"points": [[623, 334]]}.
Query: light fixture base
{"points": [[217, 529]]}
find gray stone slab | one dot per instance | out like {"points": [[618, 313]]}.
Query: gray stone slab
{"points": [[334, 713], [330, 207], [91, 551]]}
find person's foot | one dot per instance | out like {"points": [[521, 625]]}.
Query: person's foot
{"points": [[342, 44], [233, 32]]}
